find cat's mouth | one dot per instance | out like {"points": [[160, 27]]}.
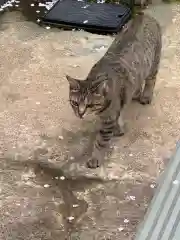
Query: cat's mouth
{"points": [[81, 114], [94, 107], [90, 108]]}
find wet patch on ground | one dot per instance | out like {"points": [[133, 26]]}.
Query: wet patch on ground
{"points": [[39, 202]]}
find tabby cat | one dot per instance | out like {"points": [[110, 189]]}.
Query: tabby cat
{"points": [[127, 71]]}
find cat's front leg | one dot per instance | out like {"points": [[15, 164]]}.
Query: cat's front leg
{"points": [[102, 139], [96, 159]]}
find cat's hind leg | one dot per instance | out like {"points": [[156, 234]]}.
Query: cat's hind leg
{"points": [[119, 129], [137, 94], [119, 126], [147, 94], [125, 101]]}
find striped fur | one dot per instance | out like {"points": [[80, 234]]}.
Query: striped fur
{"points": [[127, 71]]}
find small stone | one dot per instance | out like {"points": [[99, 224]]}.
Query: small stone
{"points": [[99, 48], [130, 154], [61, 137], [32, 4], [175, 182], [86, 6], [126, 220], [48, 27], [86, 21], [62, 178], [56, 178], [75, 205], [75, 66], [41, 4], [120, 229], [152, 185], [37, 11], [46, 185], [38, 20], [71, 158], [132, 198], [38, 103], [70, 218]]}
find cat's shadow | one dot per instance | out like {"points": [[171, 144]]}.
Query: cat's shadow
{"points": [[79, 143], [76, 145]]}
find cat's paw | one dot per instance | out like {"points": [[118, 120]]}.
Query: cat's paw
{"points": [[144, 100], [118, 131], [93, 163], [137, 96]]}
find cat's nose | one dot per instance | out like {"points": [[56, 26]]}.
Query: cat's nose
{"points": [[82, 110]]}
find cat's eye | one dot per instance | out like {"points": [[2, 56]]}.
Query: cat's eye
{"points": [[74, 103]]}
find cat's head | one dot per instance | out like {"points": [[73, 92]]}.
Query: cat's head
{"points": [[84, 96]]}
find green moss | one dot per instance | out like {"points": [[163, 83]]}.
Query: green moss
{"points": [[170, 1]]}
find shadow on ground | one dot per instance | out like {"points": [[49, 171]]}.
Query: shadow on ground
{"points": [[38, 203]]}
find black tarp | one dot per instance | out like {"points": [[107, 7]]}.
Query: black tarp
{"points": [[89, 16]]}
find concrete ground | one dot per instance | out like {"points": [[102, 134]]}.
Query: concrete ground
{"points": [[46, 192]]}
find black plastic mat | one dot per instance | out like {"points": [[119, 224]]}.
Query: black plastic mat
{"points": [[89, 16]]}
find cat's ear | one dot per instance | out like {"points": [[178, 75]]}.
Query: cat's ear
{"points": [[73, 83], [103, 87]]}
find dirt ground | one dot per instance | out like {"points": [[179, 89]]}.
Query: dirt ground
{"points": [[46, 192]]}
